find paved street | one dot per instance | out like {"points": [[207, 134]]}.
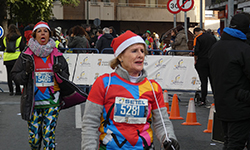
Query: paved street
{"points": [[14, 134]]}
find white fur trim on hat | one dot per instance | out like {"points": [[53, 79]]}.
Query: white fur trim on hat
{"points": [[40, 26], [127, 43]]}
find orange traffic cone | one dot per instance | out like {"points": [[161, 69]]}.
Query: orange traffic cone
{"points": [[210, 120], [191, 114], [165, 96], [175, 111]]}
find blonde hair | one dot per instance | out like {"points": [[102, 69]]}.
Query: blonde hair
{"points": [[115, 62]]}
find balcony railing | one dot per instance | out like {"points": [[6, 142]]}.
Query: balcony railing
{"points": [[141, 5]]}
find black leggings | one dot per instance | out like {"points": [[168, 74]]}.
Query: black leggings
{"points": [[9, 80]]}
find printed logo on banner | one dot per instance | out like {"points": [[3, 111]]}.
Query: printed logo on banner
{"points": [[96, 76], [180, 65], [82, 77], [102, 63], [145, 63], [195, 81], [160, 63], [176, 80], [157, 77], [1, 56], [69, 63], [84, 62]]}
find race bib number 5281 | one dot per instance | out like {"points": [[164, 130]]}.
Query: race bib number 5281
{"points": [[132, 111]]}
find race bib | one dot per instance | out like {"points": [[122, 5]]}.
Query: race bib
{"points": [[44, 79], [132, 111]]}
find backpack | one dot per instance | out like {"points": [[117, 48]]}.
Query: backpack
{"points": [[11, 46]]}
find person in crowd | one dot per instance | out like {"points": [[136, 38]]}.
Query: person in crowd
{"points": [[105, 40], [35, 69], [124, 103], [13, 45], [56, 38], [28, 32], [173, 34], [180, 42], [99, 33], [202, 44], [78, 38], [229, 61], [112, 31], [149, 40], [90, 35], [58, 33]]}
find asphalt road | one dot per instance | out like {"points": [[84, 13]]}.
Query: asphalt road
{"points": [[14, 132]]}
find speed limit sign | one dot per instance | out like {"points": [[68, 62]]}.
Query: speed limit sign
{"points": [[185, 5], [172, 7]]}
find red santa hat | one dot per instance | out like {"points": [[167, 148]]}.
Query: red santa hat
{"points": [[125, 40], [40, 25]]}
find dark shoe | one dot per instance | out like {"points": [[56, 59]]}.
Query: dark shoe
{"points": [[11, 93], [18, 93], [202, 104]]}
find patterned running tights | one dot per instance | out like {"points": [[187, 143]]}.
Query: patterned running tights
{"points": [[42, 127]]}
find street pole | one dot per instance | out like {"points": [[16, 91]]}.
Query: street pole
{"points": [[174, 20], [230, 11], [201, 20], [185, 22], [87, 11]]}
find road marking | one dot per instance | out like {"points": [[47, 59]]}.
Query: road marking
{"points": [[78, 116]]}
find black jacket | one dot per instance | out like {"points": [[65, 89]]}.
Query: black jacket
{"points": [[19, 75], [104, 41], [203, 44], [229, 61]]}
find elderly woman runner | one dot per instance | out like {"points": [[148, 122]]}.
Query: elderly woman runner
{"points": [[122, 104], [35, 69]]}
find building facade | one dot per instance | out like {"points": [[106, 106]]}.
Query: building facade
{"points": [[135, 15]]}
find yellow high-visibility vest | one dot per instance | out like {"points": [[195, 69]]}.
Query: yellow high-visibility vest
{"points": [[11, 56]]}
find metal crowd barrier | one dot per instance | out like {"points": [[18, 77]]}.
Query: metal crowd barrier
{"points": [[173, 51], [70, 50], [107, 51]]}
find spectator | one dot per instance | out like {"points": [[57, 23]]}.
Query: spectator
{"points": [[13, 45], [56, 38], [202, 44], [149, 40], [58, 32], [99, 33], [112, 31], [35, 69], [28, 32], [78, 38], [90, 36], [113, 95], [180, 42], [229, 61], [105, 40]]}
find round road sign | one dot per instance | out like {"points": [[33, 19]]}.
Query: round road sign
{"points": [[97, 22], [185, 5], [1, 31], [172, 6]]}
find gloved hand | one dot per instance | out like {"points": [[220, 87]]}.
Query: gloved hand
{"points": [[29, 67], [57, 68], [168, 145]]}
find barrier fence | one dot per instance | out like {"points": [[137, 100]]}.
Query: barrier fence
{"points": [[171, 72]]}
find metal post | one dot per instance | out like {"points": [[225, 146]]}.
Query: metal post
{"points": [[201, 12], [87, 11], [185, 22], [230, 11], [174, 20]]}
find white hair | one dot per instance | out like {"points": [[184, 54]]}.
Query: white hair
{"points": [[105, 30]]}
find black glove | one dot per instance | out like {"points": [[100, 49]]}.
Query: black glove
{"points": [[168, 145], [57, 68], [29, 67]]}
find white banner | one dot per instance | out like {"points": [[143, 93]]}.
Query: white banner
{"points": [[3, 73], [71, 60], [171, 72]]}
